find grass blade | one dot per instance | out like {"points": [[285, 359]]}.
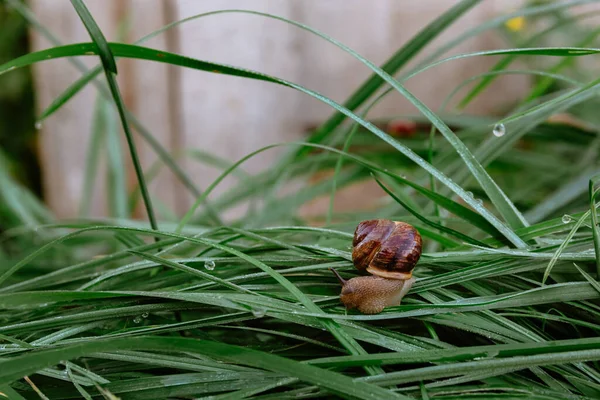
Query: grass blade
{"points": [[110, 70], [108, 61]]}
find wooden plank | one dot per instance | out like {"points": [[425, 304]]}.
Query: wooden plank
{"points": [[229, 116], [150, 87]]}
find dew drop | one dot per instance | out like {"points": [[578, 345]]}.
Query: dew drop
{"points": [[145, 315], [137, 320], [38, 125], [479, 202], [566, 219], [209, 265], [499, 130], [259, 312], [470, 194]]}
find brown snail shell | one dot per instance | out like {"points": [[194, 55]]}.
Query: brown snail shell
{"points": [[389, 251]]}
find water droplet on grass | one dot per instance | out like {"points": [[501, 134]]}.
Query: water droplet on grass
{"points": [[38, 125], [137, 320], [499, 130], [209, 265], [259, 312], [145, 315], [566, 219]]}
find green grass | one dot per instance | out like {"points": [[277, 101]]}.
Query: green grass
{"points": [[506, 300]]}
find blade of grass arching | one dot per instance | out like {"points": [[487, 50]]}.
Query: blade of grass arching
{"points": [[536, 10], [426, 221], [564, 244], [116, 182], [391, 66], [593, 194], [19, 366], [139, 127], [132, 51], [504, 206], [110, 70], [546, 82], [89, 75], [92, 158]]}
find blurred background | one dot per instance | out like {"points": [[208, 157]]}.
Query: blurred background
{"points": [[197, 116]]}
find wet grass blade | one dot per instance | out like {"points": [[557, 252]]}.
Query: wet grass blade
{"points": [[110, 70]]}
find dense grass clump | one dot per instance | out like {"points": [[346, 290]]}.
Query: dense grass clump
{"points": [[506, 300]]}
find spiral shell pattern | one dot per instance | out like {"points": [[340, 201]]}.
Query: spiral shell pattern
{"points": [[385, 248]]}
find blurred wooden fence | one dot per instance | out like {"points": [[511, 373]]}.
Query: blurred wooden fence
{"points": [[230, 116]]}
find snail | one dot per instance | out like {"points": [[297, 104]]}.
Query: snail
{"points": [[388, 250]]}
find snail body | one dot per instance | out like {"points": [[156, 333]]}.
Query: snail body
{"points": [[389, 251]]}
